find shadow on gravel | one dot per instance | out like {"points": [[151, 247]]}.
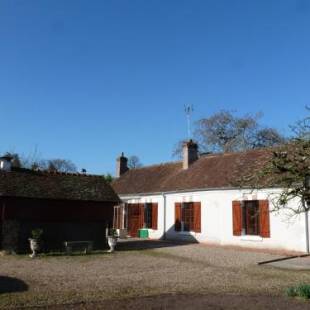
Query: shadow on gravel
{"points": [[11, 285], [140, 244], [197, 302]]}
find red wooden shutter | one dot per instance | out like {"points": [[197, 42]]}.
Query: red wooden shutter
{"points": [[177, 223], [141, 215], [264, 218], [154, 215], [197, 217], [237, 218], [119, 217]]}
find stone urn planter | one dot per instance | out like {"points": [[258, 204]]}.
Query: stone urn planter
{"points": [[35, 242], [112, 241], [34, 247]]}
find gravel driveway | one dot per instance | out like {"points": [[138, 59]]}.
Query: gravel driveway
{"points": [[163, 269]]}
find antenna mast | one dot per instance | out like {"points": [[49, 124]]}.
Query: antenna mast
{"points": [[189, 109]]}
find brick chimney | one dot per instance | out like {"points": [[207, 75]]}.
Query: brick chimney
{"points": [[121, 165], [5, 163], [190, 153]]}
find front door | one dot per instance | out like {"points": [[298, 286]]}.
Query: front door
{"points": [[135, 218]]}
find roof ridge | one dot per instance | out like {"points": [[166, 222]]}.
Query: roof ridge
{"points": [[238, 152], [203, 156], [156, 165], [46, 172]]}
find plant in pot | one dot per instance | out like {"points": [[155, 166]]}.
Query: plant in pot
{"points": [[35, 241], [112, 239]]}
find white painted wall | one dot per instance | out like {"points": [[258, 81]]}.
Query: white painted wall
{"points": [[5, 165], [216, 220], [159, 199]]}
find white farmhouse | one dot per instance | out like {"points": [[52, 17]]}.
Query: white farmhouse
{"points": [[196, 199]]}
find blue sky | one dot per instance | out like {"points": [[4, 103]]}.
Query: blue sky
{"points": [[86, 80]]}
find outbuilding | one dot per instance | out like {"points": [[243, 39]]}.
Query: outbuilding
{"points": [[66, 206]]}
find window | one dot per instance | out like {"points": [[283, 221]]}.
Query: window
{"points": [[250, 218], [188, 216], [147, 215], [118, 217]]}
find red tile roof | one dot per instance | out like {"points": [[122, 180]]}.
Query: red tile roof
{"points": [[208, 172]]}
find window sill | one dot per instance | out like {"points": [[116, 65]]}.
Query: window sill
{"points": [[251, 238]]}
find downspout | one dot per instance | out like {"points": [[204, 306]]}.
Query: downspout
{"points": [[165, 216], [305, 205], [307, 229]]}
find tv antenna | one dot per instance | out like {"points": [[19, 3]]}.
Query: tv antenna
{"points": [[189, 109]]}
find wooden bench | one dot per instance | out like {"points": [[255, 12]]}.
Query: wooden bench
{"points": [[87, 246]]}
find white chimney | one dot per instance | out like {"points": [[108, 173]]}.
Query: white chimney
{"points": [[5, 163]]}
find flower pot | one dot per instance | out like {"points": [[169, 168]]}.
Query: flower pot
{"points": [[112, 240], [34, 246]]}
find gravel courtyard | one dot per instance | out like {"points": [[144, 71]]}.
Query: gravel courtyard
{"points": [[158, 277]]}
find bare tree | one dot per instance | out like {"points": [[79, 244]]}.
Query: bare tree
{"points": [[134, 162], [301, 128], [225, 132], [61, 165], [34, 161], [267, 137], [177, 149], [288, 170]]}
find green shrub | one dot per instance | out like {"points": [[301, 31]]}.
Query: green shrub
{"points": [[301, 290], [113, 232], [291, 292], [36, 233]]}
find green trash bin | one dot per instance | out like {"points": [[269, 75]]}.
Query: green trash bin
{"points": [[143, 233]]}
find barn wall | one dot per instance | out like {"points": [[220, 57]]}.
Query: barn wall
{"points": [[60, 220], [55, 233], [57, 210]]}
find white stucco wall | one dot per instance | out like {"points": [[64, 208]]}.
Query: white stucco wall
{"points": [[216, 220], [159, 199]]}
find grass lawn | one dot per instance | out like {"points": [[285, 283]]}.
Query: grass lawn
{"points": [[165, 276]]}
